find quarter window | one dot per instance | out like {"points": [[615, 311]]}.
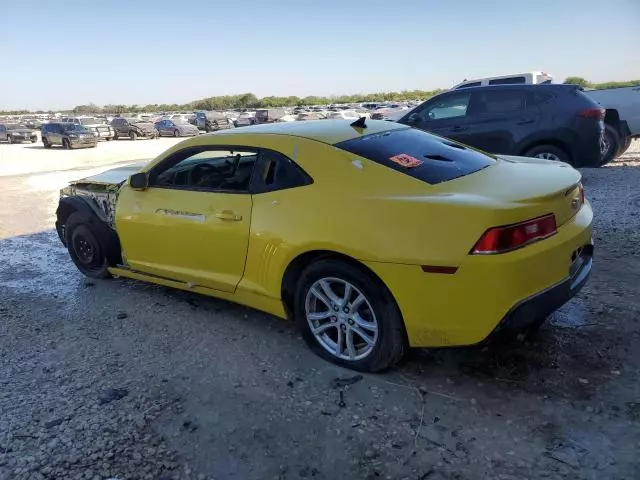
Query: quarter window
{"points": [[498, 101], [221, 170], [277, 172]]}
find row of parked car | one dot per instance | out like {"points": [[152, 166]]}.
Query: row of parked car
{"points": [[523, 114]]}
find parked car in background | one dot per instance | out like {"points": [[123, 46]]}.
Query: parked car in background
{"points": [[133, 128], [176, 128], [347, 115], [98, 126], [287, 118], [32, 123], [622, 118], [211, 121], [68, 135], [269, 115], [17, 133], [526, 78], [555, 122], [305, 116], [245, 119]]}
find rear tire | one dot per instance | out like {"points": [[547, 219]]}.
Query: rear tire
{"points": [[176, 133], [133, 136], [66, 144], [548, 152], [386, 343], [9, 139], [625, 146], [611, 144], [87, 253], [45, 142]]}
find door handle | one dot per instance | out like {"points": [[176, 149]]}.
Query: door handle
{"points": [[228, 215], [525, 121], [458, 128]]}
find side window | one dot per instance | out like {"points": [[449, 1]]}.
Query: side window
{"points": [[221, 170], [508, 81], [2, 128], [498, 101], [451, 106], [536, 98], [277, 172]]}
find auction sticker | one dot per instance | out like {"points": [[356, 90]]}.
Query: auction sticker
{"points": [[407, 161]]}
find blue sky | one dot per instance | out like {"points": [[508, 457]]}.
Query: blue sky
{"points": [[61, 54]]}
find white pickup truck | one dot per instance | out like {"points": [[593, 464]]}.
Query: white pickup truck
{"points": [[622, 120]]}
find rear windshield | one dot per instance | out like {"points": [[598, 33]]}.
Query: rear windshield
{"points": [[419, 154]]}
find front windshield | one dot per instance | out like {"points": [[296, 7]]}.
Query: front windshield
{"points": [[89, 121], [74, 127]]}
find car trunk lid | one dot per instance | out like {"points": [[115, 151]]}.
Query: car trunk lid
{"points": [[538, 187]]}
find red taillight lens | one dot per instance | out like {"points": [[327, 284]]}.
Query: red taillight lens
{"points": [[597, 113], [581, 191], [510, 237]]}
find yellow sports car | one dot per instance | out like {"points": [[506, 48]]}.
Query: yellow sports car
{"points": [[373, 236]]}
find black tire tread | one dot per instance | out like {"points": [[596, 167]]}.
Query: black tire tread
{"points": [[93, 225]]}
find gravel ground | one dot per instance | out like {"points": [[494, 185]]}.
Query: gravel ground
{"points": [[120, 379]]}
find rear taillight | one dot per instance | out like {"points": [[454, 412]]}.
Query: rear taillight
{"points": [[597, 113], [581, 193], [509, 237]]}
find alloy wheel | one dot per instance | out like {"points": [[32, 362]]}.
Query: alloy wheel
{"points": [[341, 318]]}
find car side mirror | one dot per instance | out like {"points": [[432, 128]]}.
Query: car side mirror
{"points": [[413, 118], [139, 181]]}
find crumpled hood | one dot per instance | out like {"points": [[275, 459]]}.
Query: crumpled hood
{"points": [[114, 176]]}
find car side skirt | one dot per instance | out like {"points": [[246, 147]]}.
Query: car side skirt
{"points": [[244, 297]]}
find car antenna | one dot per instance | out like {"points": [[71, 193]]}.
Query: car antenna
{"points": [[359, 123]]}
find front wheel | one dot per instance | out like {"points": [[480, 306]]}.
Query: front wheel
{"points": [[548, 152], [133, 135], [45, 142], [9, 139], [176, 133], [347, 316], [84, 248], [66, 144]]}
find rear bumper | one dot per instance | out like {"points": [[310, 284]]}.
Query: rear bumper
{"points": [[490, 292], [536, 308]]}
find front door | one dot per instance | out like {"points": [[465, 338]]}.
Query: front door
{"points": [[446, 115], [192, 223]]}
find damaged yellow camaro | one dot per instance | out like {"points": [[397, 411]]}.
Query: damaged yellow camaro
{"points": [[373, 236]]}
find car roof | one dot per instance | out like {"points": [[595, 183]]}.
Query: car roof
{"points": [[331, 132], [523, 86]]}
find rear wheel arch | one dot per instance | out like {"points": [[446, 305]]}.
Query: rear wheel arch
{"points": [[554, 142], [612, 118], [298, 264]]}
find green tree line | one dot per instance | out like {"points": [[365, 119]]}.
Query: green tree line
{"points": [[249, 100]]}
